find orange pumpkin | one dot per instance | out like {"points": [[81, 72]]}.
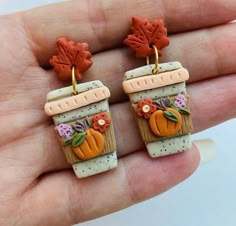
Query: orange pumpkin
{"points": [[162, 126], [92, 145]]}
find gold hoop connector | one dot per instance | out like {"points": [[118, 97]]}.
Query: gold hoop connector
{"points": [[155, 69], [74, 82]]}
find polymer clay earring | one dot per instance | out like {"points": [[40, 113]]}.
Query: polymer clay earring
{"points": [[157, 92], [81, 113]]}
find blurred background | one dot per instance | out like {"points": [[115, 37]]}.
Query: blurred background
{"points": [[208, 198]]}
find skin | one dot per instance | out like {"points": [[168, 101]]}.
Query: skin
{"points": [[37, 186]]}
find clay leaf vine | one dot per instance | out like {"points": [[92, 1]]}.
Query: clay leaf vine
{"points": [[70, 54], [144, 35]]}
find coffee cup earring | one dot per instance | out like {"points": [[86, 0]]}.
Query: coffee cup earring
{"points": [[157, 92], [81, 113]]}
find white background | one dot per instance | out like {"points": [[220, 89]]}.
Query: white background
{"points": [[208, 198]]}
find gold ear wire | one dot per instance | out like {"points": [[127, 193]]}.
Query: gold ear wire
{"points": [[155, 69], [74, 82]]}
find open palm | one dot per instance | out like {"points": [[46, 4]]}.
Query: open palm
{"points": [[37, 186]]}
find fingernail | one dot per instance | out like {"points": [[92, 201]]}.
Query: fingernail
{"points": [[207, 149]]}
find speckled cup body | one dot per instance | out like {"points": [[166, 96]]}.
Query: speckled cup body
{"points": [[159, 146], [107, 160]]}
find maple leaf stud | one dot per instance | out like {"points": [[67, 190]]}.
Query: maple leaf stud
{"points": [[70, 54], [144, 35]]}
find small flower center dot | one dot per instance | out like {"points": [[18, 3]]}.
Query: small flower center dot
{"points": [[146, 108], [101, 122]]}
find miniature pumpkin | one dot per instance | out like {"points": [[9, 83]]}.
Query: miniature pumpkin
{"points": [[92, 145], [162, 126]]}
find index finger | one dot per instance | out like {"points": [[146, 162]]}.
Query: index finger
{"points": [[103, 24]]}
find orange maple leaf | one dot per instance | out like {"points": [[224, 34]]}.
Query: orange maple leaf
{"points": [[71, 54], [144, 35]]}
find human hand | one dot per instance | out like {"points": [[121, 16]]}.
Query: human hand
{"points": [[37, 186]]}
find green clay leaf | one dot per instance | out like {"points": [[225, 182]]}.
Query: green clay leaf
{"points": [[74, 134], [68, 141], [78, 139], [172, 105], [184, 111], [171, 116]]}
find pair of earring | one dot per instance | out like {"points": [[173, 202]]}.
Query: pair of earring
{"points": [[157, 94]]}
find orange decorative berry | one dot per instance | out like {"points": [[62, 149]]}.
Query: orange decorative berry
{"points": [[92, 145], [101, 122], [71, 54], [162, 126], [144, 35], [145, 108]]}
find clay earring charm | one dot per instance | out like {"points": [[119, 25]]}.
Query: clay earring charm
{"points": [[81, 113], [157, 92]]}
